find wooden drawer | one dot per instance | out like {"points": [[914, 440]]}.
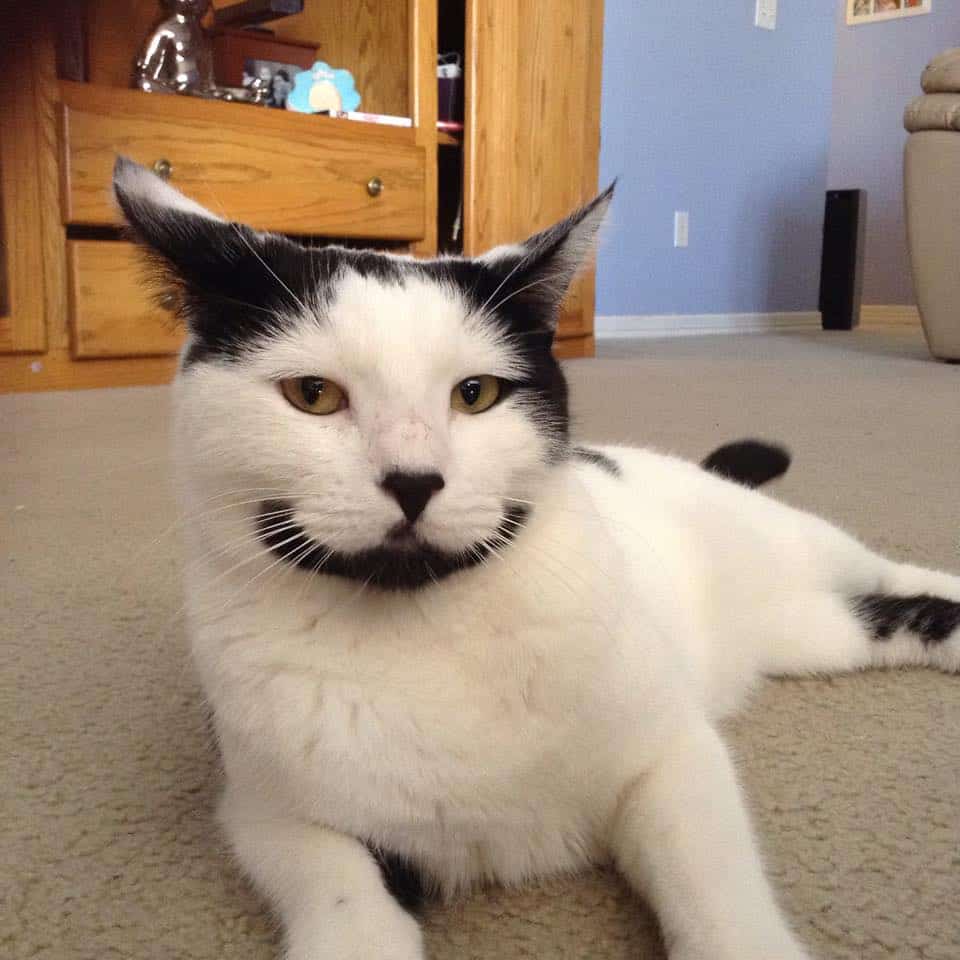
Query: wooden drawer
{"points": [[112, 309], [272, 169]]}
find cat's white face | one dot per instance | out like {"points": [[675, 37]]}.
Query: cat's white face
{"points": [[397, 354], [392, 420]]}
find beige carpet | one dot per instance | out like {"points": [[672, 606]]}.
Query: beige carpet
{"points": [[107, 848]]}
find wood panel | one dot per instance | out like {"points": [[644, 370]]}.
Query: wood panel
{"points": [[54, 266], [113, 312], [423, 100], [22, 306], [369, 38], [532, 124], [116, 30], [575, 348], [274, 170], [57, 370]]}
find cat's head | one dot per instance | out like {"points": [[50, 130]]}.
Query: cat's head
{"points": [[391, 419]]}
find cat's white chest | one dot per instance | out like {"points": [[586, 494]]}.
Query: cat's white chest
{"points": [[473, 743]]}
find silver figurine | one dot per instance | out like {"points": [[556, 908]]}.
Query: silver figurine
{"points": [[177, 56]]}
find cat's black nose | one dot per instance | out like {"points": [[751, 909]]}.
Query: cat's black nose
{"points": [[412, 491]]}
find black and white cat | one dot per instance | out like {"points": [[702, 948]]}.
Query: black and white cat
{"points": [[436, 635]]}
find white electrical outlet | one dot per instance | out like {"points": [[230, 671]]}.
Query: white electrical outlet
{"points": [[681, 228], [766, 15]]}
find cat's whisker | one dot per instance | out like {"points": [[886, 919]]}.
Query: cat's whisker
{"points": [[243, 303], [524, 260], [292, 564], [236, 229], [268, 549], [268, 268], [553, 278], [183, 521], [231, 546], [186, 518], [313, 573], [280, 558]]}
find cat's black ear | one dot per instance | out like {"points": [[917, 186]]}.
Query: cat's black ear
{"points": [[171, 225], [233, 284], [534, 276]]}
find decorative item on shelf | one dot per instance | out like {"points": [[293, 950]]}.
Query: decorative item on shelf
{"points": [[275, 80], [449, 87], [255, 93], [235, 65], [385, 119], [321, 89], [177, 57], [259, 63]]}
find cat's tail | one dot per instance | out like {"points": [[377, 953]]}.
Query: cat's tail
{"points": [[749, 462]]}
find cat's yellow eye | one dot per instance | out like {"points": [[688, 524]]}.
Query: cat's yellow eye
{"points": [[475, 394], [314, 394]]}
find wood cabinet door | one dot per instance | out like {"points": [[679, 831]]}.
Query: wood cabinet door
{"points": [[30, 261], [532, 125]]}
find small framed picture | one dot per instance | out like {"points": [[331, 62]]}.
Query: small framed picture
{"points": [[275, 78], [872, 11]]}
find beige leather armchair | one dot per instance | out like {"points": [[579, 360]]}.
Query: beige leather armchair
{"points": [[931, 172]]}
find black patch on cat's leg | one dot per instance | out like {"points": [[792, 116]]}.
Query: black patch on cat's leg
{"points": [[933, 619], [598, 459], [402, 879], [750, 462]]}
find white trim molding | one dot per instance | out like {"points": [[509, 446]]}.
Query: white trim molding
{"points": [[880, 316], [701, 324]]}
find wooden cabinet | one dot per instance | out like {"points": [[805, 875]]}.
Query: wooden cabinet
{"points": [[284, 172], [532, 129], [73, 310], [31, 259], [114, 312]]}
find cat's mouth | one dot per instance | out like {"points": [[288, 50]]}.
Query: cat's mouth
{"points": [[404, 561], [403, 536]]}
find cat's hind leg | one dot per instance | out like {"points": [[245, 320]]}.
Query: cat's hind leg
{"points": [[884, 614], [912, 617]]}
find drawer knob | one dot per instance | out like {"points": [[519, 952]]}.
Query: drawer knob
{"points": [[374, 186], [163, 168]]}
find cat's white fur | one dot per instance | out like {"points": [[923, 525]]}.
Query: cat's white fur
{"points": [[549, 709]]}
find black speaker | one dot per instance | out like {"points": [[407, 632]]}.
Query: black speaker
{"points": [[841, 262]]}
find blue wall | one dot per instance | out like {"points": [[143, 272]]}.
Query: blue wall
{"points": [[704, 112], [878, 74]]}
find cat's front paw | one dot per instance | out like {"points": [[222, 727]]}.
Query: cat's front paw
{"points": [[788, 952], [358, 931], [778, 945]]}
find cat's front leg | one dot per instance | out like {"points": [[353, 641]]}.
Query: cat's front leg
{"points": [[326, 887], [681, 836]]}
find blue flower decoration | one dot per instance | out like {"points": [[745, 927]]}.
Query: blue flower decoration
{"points": [[323, 88]]}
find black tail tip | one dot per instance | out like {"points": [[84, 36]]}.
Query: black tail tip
{"points": [[750, 462]]}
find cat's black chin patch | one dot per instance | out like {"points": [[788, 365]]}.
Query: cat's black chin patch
{"points": [[394, 565]]}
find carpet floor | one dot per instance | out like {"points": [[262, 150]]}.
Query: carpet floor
{"points": [[107, 778]]}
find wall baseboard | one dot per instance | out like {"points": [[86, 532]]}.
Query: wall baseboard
{"points": [[701, 324], [879, 316]]}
